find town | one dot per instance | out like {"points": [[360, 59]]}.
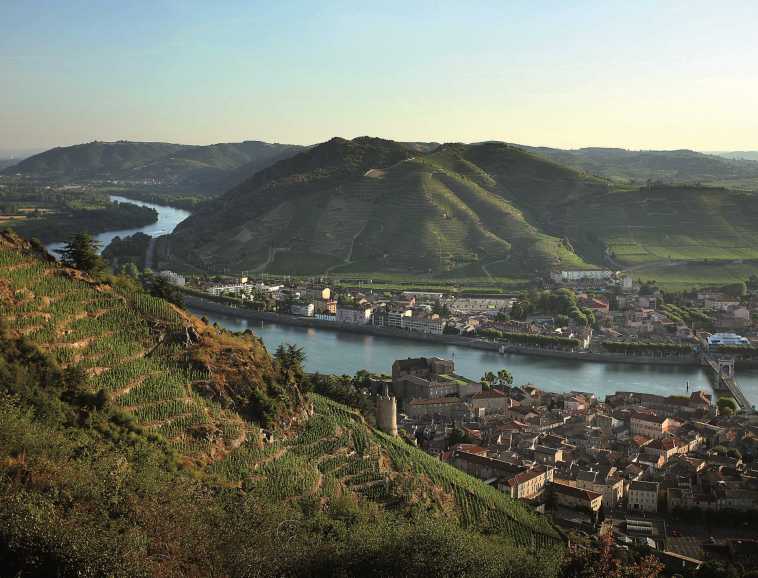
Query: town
{"points": [[675, 475]]}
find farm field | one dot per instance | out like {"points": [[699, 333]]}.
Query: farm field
{"points": [[688, 275]]}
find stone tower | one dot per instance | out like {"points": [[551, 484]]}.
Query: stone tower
{"points": [[386, 413]]}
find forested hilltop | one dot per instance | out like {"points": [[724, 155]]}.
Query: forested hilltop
{"points": [[139, 440]]}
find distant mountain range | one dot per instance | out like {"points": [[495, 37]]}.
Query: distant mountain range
{"points": [[668, 166], [215, 168], [483, 209], [738, 155], [207, 169]]}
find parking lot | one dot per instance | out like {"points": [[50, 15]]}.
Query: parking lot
{"points": [[690, 536]]}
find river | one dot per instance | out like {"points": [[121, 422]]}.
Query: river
{"points": [[331, 351], [168, 219]]}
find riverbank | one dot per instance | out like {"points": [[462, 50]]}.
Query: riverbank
{"points": [[209, 306]]}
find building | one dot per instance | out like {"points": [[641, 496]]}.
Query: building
{"points": [[422, 323], [173, 278], [548, 456], [484, 467], [302, 309], [649, 425], [576, 498], [610, 486], [470, 305], [429, 377], [527, 485], [353, 315], [386, 414], [410, 320], [489, 400], [642, 496], [575, 275], [718, 339], [445, 406]]}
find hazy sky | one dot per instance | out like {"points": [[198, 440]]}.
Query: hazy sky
{"points": [[567, 73]]}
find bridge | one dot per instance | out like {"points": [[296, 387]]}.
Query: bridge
{"points": [[724, 380]]}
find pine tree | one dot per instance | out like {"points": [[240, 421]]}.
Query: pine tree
{"points": [[82, 252]]}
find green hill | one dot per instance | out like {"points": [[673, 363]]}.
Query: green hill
{"points": [[132, 445], [489, 209], [376, 205], [211, 168]]}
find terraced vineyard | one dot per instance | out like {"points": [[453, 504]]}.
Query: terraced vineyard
{"points": [[115, 336], [338, 452], [120, 337]]}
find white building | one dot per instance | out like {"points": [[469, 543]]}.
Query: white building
{"points": [[302, 309], [235, 288], [582, 275], [642, 496], [173, 278], [355, 316], [426, 324], [727, 339]]}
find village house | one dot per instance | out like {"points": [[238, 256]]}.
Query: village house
{"points": [[353, 315], [490, 401], [649, 425], [610, 485], [527, 485], [642, 496], [484, 467], [576, 498]]}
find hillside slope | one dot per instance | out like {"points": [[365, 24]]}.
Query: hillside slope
{"points": [[134, 447], [210, 168], [371, 205], [375, 205]]}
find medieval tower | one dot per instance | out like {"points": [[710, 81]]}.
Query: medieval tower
{"points": [[386, 413]]}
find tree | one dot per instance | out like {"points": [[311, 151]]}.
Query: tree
{"points": [[726, 405], [735, 289], [456, 437], [159, 287], [291, 359], [129, 269], [504, 377], [82, 252], [488, 379]]}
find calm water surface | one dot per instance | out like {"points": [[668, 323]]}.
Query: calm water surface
{"points": [[168, 219], [330, 351]]}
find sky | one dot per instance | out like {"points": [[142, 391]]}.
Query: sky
{"points": [[640, 75]]}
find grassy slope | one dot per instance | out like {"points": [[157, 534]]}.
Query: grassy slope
{"points": [[131, 345]]}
